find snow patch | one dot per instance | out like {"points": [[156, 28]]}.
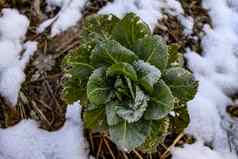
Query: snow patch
{"points": [[187, 23], [216, 69], [68, 16], [27, 141], [13, 27], [148, 10], [198, 151]]}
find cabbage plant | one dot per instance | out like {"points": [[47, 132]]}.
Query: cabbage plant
{"points": [[131, 84]]}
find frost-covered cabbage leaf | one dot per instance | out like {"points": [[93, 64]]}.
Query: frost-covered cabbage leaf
{"points": [[129, 82]]}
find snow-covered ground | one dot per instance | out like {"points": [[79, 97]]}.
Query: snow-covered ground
{"points": [[198, 151], [27, 141], [149, 10], [13, 27], [216, 70], [69, 15]]}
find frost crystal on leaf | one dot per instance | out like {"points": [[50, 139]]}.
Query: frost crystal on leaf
{"points": [[152, 74]]}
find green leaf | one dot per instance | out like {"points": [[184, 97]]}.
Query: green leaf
{"points": [[74, 89], [129, 30], [121, 89], [77, 70], [111, 52], [98, 90], [100, 24], [91, 106], [158, 130], [91, 40], [153, 50], [135, 110], [122, 69], [162, 102], [95, 119], [173, 52], [175, 58], [131, 87], [129, 114], [140, 100], [181, 82], [180, 119], [96, 29], [111, 113], [148, 75], [129, 136], [76, 63], [81, 70]]}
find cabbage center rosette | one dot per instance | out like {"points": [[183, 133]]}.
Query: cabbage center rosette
{"points": [[129, 81]]}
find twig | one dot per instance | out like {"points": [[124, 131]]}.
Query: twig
{"points": [[91, 141], [41, 113], [165, 154], [52, 94], [99, 148], [137, 154], [69, 47], [22, 111], [124, 155], [48, 107], [108, 147]]}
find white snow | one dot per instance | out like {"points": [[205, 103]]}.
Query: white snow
{"points": [[216, 69], [43, 26], [27, 141], [69, 15], [187, 23], [13, 27], [148, 10], [198, 151], [233, 4]]}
